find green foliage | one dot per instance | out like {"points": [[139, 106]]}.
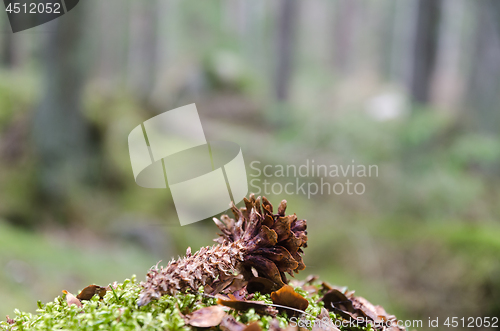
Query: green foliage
{"points": [[17, 95]]}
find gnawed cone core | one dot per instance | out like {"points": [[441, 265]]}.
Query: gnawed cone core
{"points": [[256, 243]]}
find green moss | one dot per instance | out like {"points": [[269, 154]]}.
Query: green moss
{"points": [[118, 311]]}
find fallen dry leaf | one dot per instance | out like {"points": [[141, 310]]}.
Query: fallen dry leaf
{"points": [[366, 308], [336, 299], [286, 296], [383, 314], [91, 290], [352, 307], [375, 313], [230, 324], [233, 302], [206, 317], [71, 299], [326, 286]]}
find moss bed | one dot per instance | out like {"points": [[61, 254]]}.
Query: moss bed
{"points": [[118, 310]]}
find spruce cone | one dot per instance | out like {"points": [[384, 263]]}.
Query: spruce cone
{"points": [[258, 243]]}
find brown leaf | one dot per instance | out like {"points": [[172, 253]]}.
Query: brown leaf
{"points": [[325, 287], [351, 307], [234, 303], [206, 317], [383, 314], [375, 313], [91, 290], [286, 296], [71, 299], [337, 299], [230, 324], [367, 309]]}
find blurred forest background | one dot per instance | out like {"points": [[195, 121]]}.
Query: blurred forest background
{"points": [[411, 86]]}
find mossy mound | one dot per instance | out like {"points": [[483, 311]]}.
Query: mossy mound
{"points": [[118, 310]]}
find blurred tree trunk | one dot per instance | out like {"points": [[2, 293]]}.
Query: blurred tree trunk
{"points": [[484, 80], [285, 40], [344, 31], [247, 17], [60, 132], [110, 29], [424, 49], [448, 84], [401, 55], [7, 54], [163, 55], [142, 47], [385, 17]]}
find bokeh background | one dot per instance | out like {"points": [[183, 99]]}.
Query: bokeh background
{"points": [[410, 86]]}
